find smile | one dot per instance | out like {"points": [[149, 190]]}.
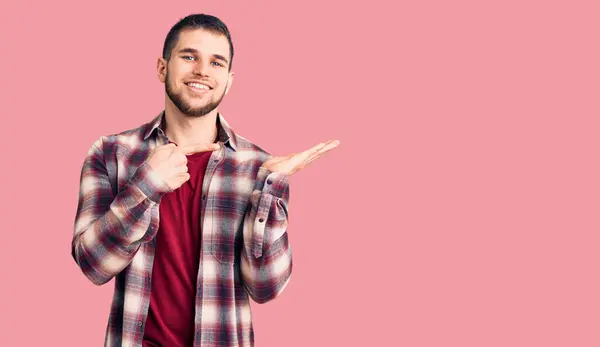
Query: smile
{"points": [[198, 87]]}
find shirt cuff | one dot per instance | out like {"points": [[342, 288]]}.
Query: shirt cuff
{"points": [[274, 183], [149, 182]]}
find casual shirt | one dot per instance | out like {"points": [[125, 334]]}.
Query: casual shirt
{"points": [[244, 249]]}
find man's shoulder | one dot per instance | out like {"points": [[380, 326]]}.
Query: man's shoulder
{"points": [[130, 139], [246, 147]]}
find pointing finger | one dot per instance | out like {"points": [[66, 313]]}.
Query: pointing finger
{"points": [[206, 147], [163, 147]]}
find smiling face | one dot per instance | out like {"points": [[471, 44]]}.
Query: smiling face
{"points": [[197, 75]]}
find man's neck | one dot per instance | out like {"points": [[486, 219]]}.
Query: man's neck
{"points": [[185, 130]]}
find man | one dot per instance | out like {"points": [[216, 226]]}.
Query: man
{"points": [[184, 272]]}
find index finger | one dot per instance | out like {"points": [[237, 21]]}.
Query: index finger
{"points": [[165, 146], [206, 147], [328, 147], [323, 146]]}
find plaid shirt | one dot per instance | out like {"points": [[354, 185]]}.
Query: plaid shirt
{"points": [[245, 251]]}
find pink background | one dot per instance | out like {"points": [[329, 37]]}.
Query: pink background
{"points": [[461, 208]]}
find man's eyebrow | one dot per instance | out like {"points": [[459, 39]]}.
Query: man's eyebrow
{"points": [[218, 56], [195, 51]]}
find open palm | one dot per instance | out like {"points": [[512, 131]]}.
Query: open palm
{"points": [[297, 161]]}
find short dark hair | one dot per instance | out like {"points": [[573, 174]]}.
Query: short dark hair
{"points": [[196, 21]]}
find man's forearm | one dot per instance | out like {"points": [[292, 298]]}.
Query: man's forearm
{"points": [[267, 256], [108, 232]]}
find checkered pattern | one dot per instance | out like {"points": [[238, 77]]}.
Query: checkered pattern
{"points": [[245, 251]]}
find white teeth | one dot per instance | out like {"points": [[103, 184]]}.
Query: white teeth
{"points": [[198, 86]]}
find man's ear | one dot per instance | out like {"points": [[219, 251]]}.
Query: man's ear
{"points": [[161, 69], [229, 82]]}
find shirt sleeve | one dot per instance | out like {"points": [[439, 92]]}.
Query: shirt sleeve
{"points": [[266, 264], [109, 229]]}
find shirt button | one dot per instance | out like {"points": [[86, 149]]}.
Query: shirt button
{"points": [[216, 160], [269, 181], [261, 220], [139, 323]]}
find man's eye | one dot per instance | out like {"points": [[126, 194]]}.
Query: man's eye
{"points": [[187, 56], [218, 64]]}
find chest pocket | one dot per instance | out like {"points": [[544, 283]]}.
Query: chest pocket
{"points": [[232, 186], [226, 236]]}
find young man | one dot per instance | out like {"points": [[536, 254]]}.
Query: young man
{"points": [[184, 272]]}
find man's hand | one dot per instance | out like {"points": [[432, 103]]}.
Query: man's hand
{"points": [[297, 161], [170, 162]]}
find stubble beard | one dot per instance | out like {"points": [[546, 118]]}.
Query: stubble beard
{"points": [[185, 107]]}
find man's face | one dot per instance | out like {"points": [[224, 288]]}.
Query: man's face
{"points": [[197, 75]]}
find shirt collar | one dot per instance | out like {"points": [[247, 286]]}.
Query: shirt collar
{"points": [[225, 133]]}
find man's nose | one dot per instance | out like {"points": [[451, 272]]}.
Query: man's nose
{"points": [[201, 68]]}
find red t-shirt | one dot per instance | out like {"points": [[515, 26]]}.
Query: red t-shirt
{"points": [[170, 321]]}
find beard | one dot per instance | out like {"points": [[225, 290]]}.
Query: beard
{"points": [[185, 107]]}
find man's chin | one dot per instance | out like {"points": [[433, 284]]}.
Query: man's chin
{"points": [[198, 111]]}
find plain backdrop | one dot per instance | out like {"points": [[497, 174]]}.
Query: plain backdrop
{"points": [[461, 208]]}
